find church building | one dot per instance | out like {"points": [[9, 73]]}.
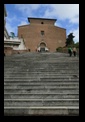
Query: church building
{"points": [[42, 35]]}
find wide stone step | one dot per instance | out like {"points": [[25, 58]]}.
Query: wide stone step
{"points": [[40, 84], [34, 80], [44, 71], [15, 72], [41, 65], [46, 76], [33, 56], [26, 72], [42, 55], [27, 76], [75, 64], [68, 91], [40, 87], [40, 60], [56, 59], [58, 73], [38, 63], [56, 70], [25, 111], [67, 78], [52, 61], [41, 96], [50, 57], [40, 102]]}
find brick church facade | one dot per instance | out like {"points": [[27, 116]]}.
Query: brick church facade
{"points": [[42, 35]]}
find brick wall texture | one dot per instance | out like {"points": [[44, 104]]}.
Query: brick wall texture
{"points": [[53, 37]]}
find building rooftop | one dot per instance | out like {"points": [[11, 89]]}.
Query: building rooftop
{"points": [[29, 18]]}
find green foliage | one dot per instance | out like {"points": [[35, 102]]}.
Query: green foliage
{"points": [[69, 40], [77, 45], [59, 49], [74, 45], [65, 48], [12, 34]]}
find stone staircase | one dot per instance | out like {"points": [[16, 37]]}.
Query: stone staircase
{"points": [[41, 84]]}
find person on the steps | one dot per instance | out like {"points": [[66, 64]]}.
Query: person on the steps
{"points": [[70, 51], [74, 51]]}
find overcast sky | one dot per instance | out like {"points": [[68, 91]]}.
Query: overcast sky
{"points": [[67, 16]]}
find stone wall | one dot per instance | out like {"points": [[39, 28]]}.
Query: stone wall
{"points": [[19, 51], [8, 51]]}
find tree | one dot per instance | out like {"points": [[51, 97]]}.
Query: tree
{"points": [[77, 44], [69, 39], [12, 34]]}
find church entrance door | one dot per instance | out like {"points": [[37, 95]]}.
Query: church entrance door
{"points": [[42, 49]]}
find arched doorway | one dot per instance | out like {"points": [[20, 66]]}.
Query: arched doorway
{"points": [[42, 47]]}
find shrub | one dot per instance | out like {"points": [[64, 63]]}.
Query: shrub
{"points": [[59, 49]]}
